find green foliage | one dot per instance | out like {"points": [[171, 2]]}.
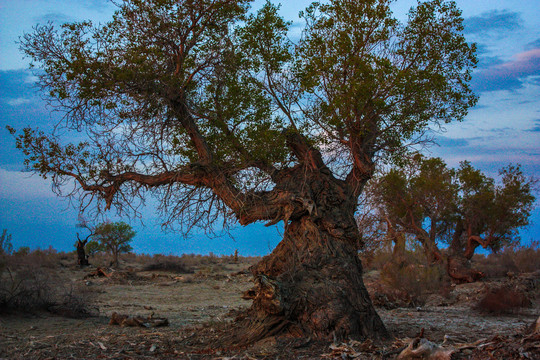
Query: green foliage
{"points": [[114, 238], [167, 86], [93, 247], [434, 203]]}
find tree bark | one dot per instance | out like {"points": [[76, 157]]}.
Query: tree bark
{"points": [[311, 284], [458, 262], [82, 260]]}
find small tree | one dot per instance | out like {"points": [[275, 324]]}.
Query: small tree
{"points": [[6, 248], [115, 238]]}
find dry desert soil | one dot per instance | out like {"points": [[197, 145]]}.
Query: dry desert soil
{"points": [[200, 308]]}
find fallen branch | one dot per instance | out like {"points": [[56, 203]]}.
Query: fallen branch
{"points": [[137, 321], [99, 272]]}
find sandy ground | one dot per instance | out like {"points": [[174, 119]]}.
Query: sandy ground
{"points": [[203, 303]]}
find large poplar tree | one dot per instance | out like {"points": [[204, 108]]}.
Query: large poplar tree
{"points": [[216, 113]]}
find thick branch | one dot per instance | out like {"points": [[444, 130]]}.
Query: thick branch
{"points": [[474, 241], [363, 165], [306, 154], [188, 123]]}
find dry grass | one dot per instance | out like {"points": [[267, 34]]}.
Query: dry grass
{"points": [[502, 300], [29, 283], [413, 283], [168, 263], [517, 259]]}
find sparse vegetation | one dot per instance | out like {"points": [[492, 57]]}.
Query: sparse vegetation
{"points": [[150, 286], [503, 300], [510, 260], [29, 283], [168, 263]]}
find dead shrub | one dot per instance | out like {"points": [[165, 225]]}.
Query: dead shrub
{"points": [[495, 265], [376, 260], [414, 282], [502, 300], [168, 263], [526, 258], [26, 289], [513, 259], [27, 286], [74, 302]]}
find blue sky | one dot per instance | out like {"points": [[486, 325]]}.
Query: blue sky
{"points": [[503, 128]]}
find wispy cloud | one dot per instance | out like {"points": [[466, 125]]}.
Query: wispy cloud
{"points": [[55, 17], [509, 75], [485, 59], [492, 22], [444, 142], [18, 101], [23, 186], [536, 127], [533, 45]]}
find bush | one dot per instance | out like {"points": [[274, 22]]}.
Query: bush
{"points": [[526, 258], [6, 248], [414, 282], [26, 289], [23, 251], [516, 259], [168, 263], [27, 285], [502, 300], [74, 302]]}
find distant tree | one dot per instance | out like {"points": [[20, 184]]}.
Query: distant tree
{"points": [[22, 251], [6, 247], [82, 258], [462, 208], [93, 247], [219, 115], [114, 238]]}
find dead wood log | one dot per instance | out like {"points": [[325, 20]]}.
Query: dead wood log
{"points": [[99, 272], [421, 348], [137, 321]]}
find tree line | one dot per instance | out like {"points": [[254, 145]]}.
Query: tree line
{"points": [[459, 209]]}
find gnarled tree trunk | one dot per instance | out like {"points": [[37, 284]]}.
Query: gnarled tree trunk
{"points": [[82, 259], [311, 284], [459, 257]]}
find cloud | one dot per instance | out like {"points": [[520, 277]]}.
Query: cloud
{"points": [[97, 5], [17, 101], [536, 127], [533, 45], [485, 59], [15, 84], [56, 17], [444, 142], [510, 75], [496, 21], [23, 186]]}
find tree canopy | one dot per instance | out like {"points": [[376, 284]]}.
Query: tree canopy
{"points": [[204, 104], [114, 238], [218, 114], [463, 207]]}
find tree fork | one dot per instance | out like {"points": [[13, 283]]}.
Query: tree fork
{"points": [[311, 284]]}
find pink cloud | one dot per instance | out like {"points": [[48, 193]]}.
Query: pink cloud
{"points": [[509, 75]]}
